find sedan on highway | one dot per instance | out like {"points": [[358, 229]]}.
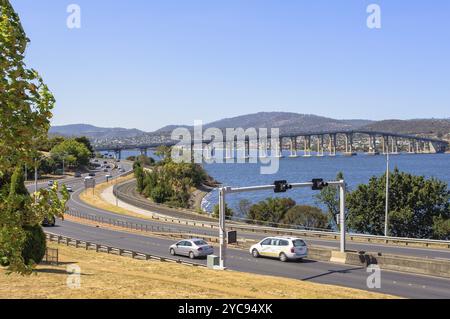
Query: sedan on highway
{"points": [[49, 222], [193, 248], [284, 248]]}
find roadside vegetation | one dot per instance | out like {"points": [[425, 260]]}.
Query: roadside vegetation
{"points": [[418, 207], [26, 105], [168, 182], [102, 276]]}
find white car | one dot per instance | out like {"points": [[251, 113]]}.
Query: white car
{"points": [[284, 248]]}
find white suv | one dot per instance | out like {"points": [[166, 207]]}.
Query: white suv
{"points": [[284, 248]]}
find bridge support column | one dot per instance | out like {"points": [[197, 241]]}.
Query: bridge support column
{"points": [[307, 150], [385, 142], [262, 147], [394, 146], [320, 152], [333, 144], [279, 148], [228, 150], [293, 147], [349, 145], [207, 152], [144, 152], [411, 146], [373, 145], [246, 149]]}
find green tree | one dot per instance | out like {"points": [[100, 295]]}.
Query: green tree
{"points": [[418, 207], [74, 153], [25, 113], [139, 175], [329, 197], [271, 210], [164, 152], [84, 140], [307, 216], [144, 160], [228, 211], [244, 207]]}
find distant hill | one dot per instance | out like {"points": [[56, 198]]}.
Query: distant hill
{"points": [[94, 132], [287, 122], [170, 128], [439, 128]]}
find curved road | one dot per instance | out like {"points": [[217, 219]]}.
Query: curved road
{"points": [[401, 284]]}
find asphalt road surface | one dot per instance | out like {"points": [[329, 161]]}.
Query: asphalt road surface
{"points": [[395, 283]]}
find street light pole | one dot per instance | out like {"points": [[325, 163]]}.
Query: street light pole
{"points": [[222, 231], [342, 214]]}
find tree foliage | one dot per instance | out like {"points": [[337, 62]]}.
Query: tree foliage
{"points": [[329, 197], [307, 216], [26, 102], [74, 153], [169, 182], [285, 211], [228, 211], [271, 210], [418, 207], [25, 113]]}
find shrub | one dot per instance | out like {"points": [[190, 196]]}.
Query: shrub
{"points": [[35, 244]]}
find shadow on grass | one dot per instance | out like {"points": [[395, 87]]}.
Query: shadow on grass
{"points": [[330, 272], [56, 272]]}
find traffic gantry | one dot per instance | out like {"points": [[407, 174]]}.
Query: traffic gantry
{"points": [[277, 187]]}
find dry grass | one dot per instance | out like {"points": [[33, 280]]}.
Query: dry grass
{"points": [[95, 199], [110, 276]]}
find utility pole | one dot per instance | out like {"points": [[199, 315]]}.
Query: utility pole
{"points": [[35, 179], [387, 197]]}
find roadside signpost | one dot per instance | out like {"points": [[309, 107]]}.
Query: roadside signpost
{"points": [[232, 237], [89, 183], [277, 187]]}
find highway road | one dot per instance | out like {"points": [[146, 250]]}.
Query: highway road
{"points": [[401, 284], [80, 206]]}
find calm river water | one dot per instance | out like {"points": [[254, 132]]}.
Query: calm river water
{"points": [[356, 169]]}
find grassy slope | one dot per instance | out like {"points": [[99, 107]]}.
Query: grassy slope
{"points": [[110, 276]]}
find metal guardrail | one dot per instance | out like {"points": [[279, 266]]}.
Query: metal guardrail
{"points": [[114, 250], [288, 231], [130, 225]]}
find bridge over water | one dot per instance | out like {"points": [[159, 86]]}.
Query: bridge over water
{"points": [[309, 143]]}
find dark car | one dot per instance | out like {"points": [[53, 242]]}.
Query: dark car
{"points": [[77, 174], [49, 223], [92, 174]]}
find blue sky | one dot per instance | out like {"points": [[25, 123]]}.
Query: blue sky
{"points": [[146, 64]]}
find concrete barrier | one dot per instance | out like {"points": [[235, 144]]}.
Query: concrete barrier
{"points": [[424, 266]]}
